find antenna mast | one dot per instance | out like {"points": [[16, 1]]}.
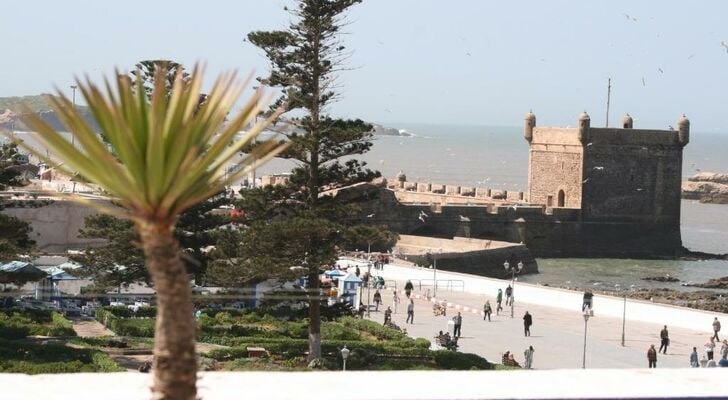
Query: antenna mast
{"points": [[609, 95]]}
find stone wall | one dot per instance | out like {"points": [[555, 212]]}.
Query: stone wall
{"points": [[467, 255], [56, 226]]}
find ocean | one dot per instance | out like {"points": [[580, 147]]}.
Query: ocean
{"points": [[497, 157]]}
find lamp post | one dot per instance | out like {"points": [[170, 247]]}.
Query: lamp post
{"points": [[434, 271], [624, 317], [344, 356], [513, 271], [369, 286], [587, 314]]}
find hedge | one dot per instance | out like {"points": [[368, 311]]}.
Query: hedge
{"points": [[125, 326], [17, 324], [363, 355], [32, 358]]}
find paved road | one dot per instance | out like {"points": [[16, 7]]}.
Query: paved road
{"points": [[557, 334]]}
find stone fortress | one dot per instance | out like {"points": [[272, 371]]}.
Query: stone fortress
{"points": [[592, 192]]}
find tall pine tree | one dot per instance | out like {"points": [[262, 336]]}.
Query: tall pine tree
{"points": [[304, 60]]}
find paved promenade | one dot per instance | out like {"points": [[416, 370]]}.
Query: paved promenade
{"points": [[557, 334]]}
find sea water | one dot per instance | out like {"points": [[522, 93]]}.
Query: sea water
{"points": [[497, 157]]}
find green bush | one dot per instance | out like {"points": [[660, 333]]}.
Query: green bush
{"points": [[120, 311], [125, 326], [32, 358], [374, 328], [146, 312], [17, 324], [446, 359]]}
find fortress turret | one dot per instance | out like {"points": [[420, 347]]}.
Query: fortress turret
{"points": [[627, 121], [401, 179], [683, 130], [528, 126], [584, 123]]}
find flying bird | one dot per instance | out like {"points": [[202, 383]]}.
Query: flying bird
{"points": [[643, 81], [629, 18], [370, 215], [585, 180], [423, 214], [589, 144], [464, 219], [599, 168], [724, 44], [661, 71]]}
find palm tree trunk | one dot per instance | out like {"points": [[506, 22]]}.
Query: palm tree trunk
{"points": [[175, 362]]}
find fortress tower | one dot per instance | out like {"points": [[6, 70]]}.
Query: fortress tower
{"points": [[609, 174]]}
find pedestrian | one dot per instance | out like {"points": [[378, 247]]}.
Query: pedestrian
{"points": [[411, 312], [527, 322], [387, 315], [487, 310], [395, 301], [588, 295], [664, 340], [724, 349], [716, 328], [408, 287], [377, 300], [458, 320], [694, 358], [709, 347], [509, 295], [529, 357], [357, 272], [498, 301], [652, 356]]}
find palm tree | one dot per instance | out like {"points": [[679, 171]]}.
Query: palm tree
{"points": [[164, 155]]}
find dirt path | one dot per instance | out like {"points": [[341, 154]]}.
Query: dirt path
{"points": [[89, 327]]}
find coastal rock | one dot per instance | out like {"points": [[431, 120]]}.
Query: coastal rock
{"points": [[666, 278], [381, 130], [706, 187], [701, 299], [720, 283]]}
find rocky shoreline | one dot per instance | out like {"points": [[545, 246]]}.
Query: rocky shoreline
{"points": [[706, 187]]}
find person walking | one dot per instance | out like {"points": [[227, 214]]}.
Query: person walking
{"points": [[694, 358], [709, 347], [487, 310], [509, 295], [652, 356], [357, 272], [499, 301], [724, 349], [395, 300], [529, 357], [387, 315], [410, 312], [408, 287], [716, 328], [664, 340], [588, 295], [377, 300], [458, 320], [527, 322]]}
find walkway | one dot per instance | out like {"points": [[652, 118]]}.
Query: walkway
{"points": [[89, 327], [558, 330]]}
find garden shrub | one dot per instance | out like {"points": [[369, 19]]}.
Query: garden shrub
{"points": [[32, 358], [446, 359]]}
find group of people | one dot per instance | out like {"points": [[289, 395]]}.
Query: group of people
{"points": [[510, 360], [695, 362]]}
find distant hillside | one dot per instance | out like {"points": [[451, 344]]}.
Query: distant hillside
{"points": [[11, 107]]}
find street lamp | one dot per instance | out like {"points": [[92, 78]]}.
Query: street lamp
{"points": [[344, 355], [513, 271], [587, 315], [434, 271]]}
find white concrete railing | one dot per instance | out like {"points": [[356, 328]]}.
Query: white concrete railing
{"points": [[701, 383], [637, 310]]}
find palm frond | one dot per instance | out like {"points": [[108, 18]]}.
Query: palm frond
{"points": [[163, 155]]}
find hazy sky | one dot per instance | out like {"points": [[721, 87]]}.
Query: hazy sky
{"points": [[430, 61]]}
